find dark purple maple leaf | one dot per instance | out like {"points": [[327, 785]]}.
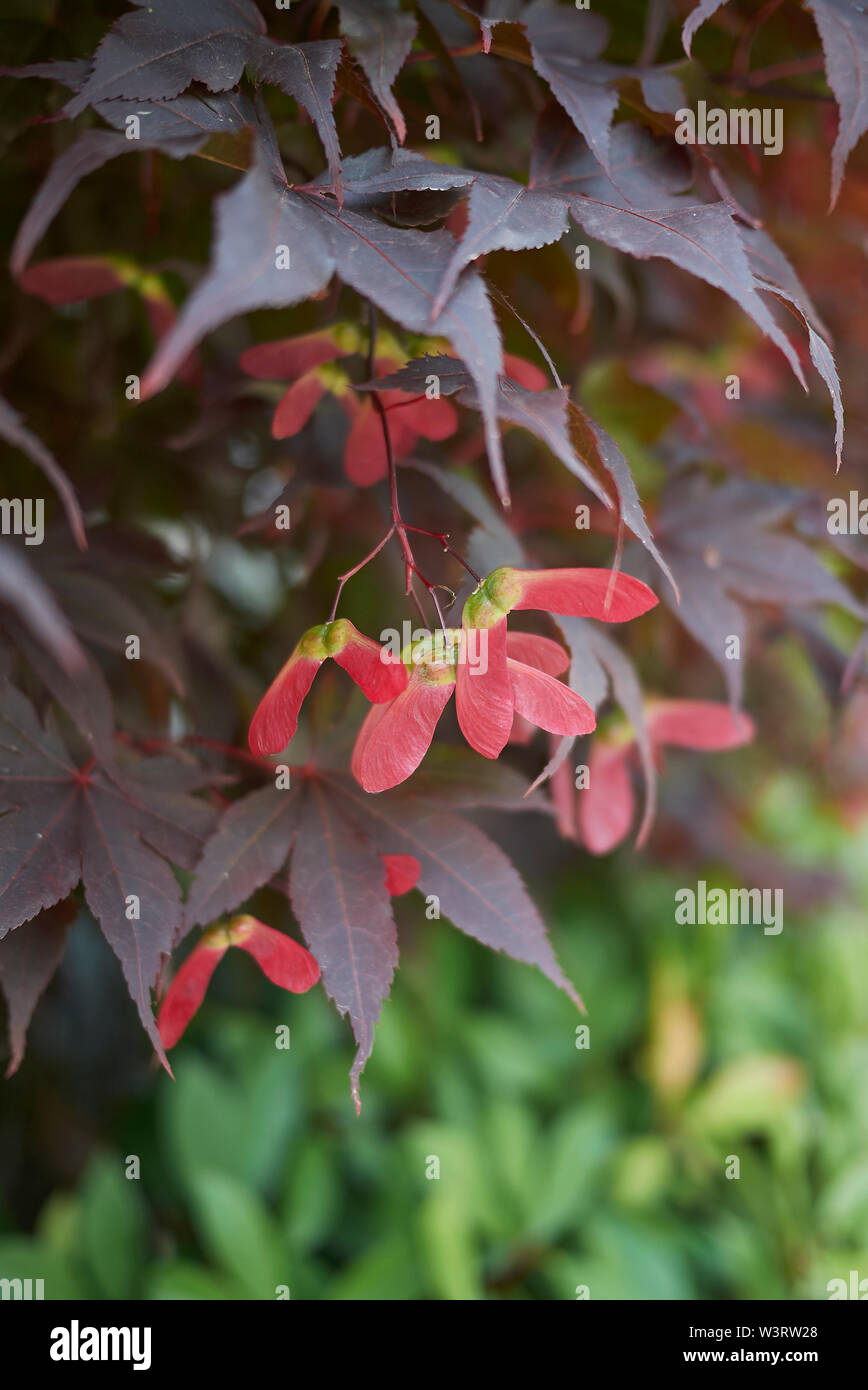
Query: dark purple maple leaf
{"points": [[250, 844], [380, 35], [161, 47], [15, 433], [337, 887], [564, 43], [336, 836], [723, 553], [396, 267], [478, 888], [843, 27], [64, 823], [638, 205], [28, 960], [306, 72], [176, 127]]}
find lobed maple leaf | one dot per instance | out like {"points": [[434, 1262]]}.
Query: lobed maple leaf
{"points": [[64, 823], [154, 54], [478, 888], [721, 549], [380, 35], [177, 128], [638, 205], [843, 28], [565, 45], [350, 853], [398, 268]]}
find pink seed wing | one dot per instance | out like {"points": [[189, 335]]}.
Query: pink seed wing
{"points": [[286, 358], [276, 717], [548, 703], [296, 406], [378, 675], [483, 691], [369, 724], [395, 738], [186, 992], [522, 731], [70, 279], [585, 593], [701, 724], [435, 419], [283, 960], [540, 652], [402, 873], [365, 458], [607, 805]]}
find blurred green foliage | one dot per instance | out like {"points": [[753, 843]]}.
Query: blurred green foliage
{"points": [[559, 1166]]}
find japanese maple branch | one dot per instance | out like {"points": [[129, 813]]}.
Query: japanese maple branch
{"points": [[399, 527], [342, 578]]}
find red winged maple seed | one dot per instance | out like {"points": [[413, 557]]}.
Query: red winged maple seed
{"points": [[281, 959], [307, 362], [296, 405], [365, 459], [540, 652], [485, 700], [395, 737], [283, 359], [606, 807], [402, 873], [379, 678], [609, 596]]}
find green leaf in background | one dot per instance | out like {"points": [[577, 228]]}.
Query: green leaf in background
{"points": [[24, 1258], [388, 1270], [235, 1126], [752, 1093], [181, 1279], [112, 1228], [573, 1159], [445, 1226], [311, 1196], [238, 1233]]}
